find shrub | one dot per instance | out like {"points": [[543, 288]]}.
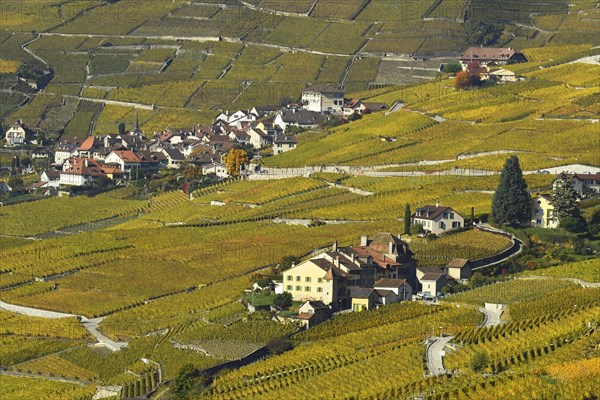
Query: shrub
{"points": [[479, 361], [279, 345]]}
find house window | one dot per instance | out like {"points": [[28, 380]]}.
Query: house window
{"points": [[456, 225], [298, 278], [298, 288], [290, 278], [307, 288], [319, 290], [442, 225], [319, 280], [538, 221], [451, 215], [288, 287], [307, 279]]}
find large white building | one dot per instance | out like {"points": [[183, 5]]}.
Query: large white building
{"points": [[323, 99]]}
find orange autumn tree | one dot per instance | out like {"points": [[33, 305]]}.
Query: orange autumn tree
{"points": [[234, 160], [469, 77]]}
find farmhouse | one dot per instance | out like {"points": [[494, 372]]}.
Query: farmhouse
{"points": [[490, 56], [543, 214], [323, 99], [437, 219]]}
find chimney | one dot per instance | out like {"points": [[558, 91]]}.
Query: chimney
{"points": [[391, 247], [353, 258], [335, 246], [364, 240], [86, 162], [437, 203], [337, 261]]}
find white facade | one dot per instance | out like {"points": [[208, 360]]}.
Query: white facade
{"points": [[323, 100], [15, 135]]}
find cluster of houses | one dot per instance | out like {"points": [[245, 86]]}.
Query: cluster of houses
{"points": [[380, 271], [129, 156]]}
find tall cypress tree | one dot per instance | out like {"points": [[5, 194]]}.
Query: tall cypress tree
{"points": [[511, 204], [407, 215]]}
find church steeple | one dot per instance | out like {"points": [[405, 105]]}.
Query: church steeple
{"points": [[137, 122]]}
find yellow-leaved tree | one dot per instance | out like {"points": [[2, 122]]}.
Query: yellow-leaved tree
{"points": [[234, 160]]}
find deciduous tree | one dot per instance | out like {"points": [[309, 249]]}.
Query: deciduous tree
{"points": [[234, 160]]}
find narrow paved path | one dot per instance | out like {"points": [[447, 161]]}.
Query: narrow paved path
{"points": [[435, 350], [44, 377], [91, 325], [492, 316]]}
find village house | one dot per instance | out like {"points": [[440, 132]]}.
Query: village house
{"points": [[385, 291], [543, 214], [312, 313], [52, 178], [459, 269], [586, 184], [80, 172], [281, 144], [17, 134], [259, 138], [432, 280], [66, 149], [301, 118], [318, 279], [323, 99], [437, 219], [355, 106], [175, 158], [491, 56]]}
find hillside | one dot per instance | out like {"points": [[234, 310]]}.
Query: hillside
{"points": [[548, 117], [130, 287], [175, 62]]}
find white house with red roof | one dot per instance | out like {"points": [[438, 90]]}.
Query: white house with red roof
{"points": [[126, 160], [437, 219], [80, 171]]}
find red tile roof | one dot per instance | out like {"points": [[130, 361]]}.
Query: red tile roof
{"points": [[127, 156]]}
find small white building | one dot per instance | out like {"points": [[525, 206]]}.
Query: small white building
{"points": [[437, 219]]}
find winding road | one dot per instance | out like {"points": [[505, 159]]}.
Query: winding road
{"points": [[435, 354]]}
